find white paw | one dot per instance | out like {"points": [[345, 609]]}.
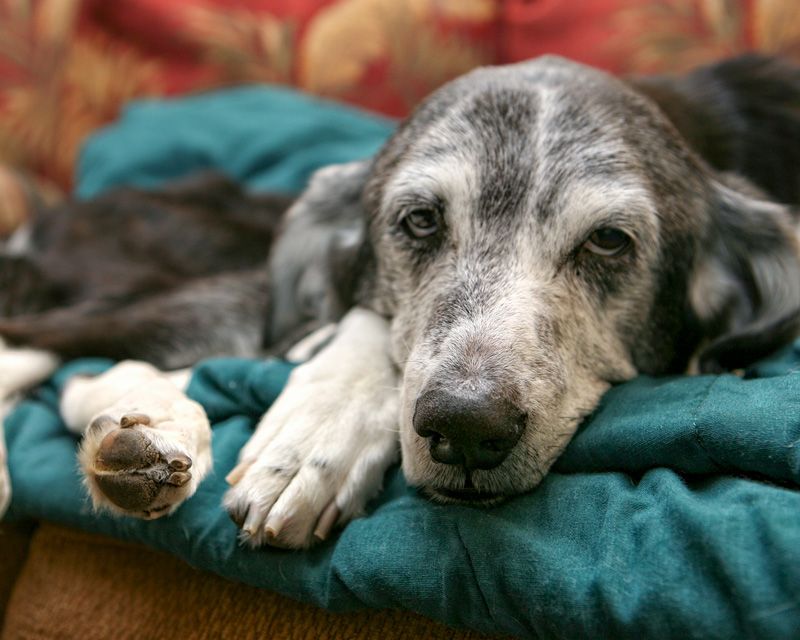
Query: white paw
{"points": [[22, 368], [147, 451], [318, 455]]}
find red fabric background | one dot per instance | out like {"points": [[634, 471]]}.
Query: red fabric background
{"points": [[69, 66]]}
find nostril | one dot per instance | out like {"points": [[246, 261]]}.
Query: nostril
{"points": [[497, 445], [444, 451], [508, 437], [434, 436]]}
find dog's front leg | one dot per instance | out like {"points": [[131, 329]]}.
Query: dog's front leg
{"points": [[320, 452], [146, 446]]}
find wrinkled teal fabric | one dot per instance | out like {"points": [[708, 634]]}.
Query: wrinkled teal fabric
{"points": [[271, 139], [675, 511]]}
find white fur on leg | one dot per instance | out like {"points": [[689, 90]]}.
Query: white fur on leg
{"points": [[85, 397], [174, 454], [20, 369], [321, 450]]}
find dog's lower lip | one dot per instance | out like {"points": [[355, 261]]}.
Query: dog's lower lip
{"points": [[467, 495]]}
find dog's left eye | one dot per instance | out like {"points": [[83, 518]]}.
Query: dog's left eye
{"points": [[420, 223], [608, 242]]}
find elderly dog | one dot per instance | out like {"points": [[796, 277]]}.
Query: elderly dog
{"points": [[534, 234], [531, 235]]}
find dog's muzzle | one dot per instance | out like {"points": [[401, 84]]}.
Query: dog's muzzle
{"points": [[476, 431]]}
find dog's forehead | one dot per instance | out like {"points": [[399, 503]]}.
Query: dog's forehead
{"points": [[516, 135]]}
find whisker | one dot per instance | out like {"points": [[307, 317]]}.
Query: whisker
{"points": [[414, 360], [389, 429]]}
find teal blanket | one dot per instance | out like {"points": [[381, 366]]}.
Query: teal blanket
{"points": [[675, 512]]}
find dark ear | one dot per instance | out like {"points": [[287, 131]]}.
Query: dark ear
{"points": [[745, 289], [314, 263]]}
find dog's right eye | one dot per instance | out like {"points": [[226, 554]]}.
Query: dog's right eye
{"points": [[608, 242], [420, 223]]}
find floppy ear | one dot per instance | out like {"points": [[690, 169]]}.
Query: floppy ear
{"points": [[314, 266], [745, 289]]}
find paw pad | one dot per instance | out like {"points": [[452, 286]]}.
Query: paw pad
{"points": [[131, 472]]}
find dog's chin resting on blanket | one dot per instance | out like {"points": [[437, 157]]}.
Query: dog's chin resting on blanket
{"points": [[531, 235]]}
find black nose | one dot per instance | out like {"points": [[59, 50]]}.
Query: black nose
{"points": [[476, 431]]}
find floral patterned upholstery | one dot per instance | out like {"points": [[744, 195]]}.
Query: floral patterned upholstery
{"points": [[68, 66]]}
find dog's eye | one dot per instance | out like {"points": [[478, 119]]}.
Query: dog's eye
{"points": [[421, 223], [608, 242]]}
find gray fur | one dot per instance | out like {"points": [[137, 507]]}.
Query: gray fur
{"points": [[326, 223]]}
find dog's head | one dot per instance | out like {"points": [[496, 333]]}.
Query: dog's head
{"points": [[540, 232]]}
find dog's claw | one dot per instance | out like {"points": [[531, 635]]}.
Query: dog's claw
{"points": [[180, 462], [179, 478], [274, 526], [132, 419], [237, 473], [326, 521], [252, 522]]}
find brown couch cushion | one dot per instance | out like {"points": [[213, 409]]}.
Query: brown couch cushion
{"points": [[14, 541], [77, 585]]}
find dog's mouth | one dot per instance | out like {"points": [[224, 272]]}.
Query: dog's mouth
{"points": [[466, 496]]}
